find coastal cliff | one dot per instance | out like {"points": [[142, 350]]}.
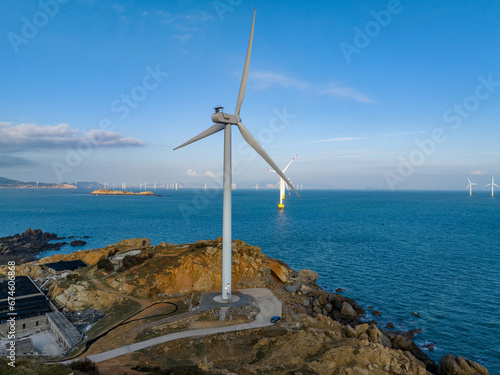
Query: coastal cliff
{"points": [[121, 192], [320, 332]]}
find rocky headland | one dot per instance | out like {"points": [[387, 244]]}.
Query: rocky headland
{"points": [[6, 183], [320, 332], [26, 246]]}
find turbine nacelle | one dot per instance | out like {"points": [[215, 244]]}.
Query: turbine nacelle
{"points": [[224, 118]]}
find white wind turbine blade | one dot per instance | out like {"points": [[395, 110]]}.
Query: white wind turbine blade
{"points": [[468, 180], [257, 147], [269, 170], [488, 185], [284, 170], [495, 185], [243, 84], [211, 130]]}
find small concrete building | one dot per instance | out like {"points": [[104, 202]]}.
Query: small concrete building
{"points": [[57, 268], [117, 260], [29, 309]]}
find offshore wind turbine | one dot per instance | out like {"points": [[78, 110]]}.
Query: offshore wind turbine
{"points": [[224, 121], [281, 206], [470, 186], [492, 185]]}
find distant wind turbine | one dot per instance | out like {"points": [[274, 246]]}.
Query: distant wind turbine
{"points": [[224, 121], [470, 186], [492, 185], [281, 206]]}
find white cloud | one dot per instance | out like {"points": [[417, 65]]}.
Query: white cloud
{"points": [[345, 92], [192, 173], [29, 137], [263, 80], [478, 172]]}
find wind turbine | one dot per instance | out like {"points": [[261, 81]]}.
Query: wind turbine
{"points": [[470, 186], [224, 121], [281, 206], [492, 184]]}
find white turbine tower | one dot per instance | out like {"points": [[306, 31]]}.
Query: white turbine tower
{"points": [[470, 186], [224, 121], [281, 206], [492, 185]]}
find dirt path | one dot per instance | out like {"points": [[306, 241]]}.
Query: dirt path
{"points": [[269, 306]]}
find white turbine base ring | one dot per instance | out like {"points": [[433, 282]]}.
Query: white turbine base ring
{"points": [[233, 299]]}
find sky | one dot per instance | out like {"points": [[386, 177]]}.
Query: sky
{"points": [[369, 94]]}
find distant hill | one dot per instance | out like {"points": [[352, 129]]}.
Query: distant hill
{"points": [[15, 184]]}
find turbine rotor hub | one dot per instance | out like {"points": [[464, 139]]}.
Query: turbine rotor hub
{"points": [[224, 118]]}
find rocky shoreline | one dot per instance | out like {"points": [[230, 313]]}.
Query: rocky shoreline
{"points": [[26, 246], [320, 332], [122, 192]]}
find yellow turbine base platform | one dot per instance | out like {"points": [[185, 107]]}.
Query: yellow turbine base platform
{"points": [[281, 206]]}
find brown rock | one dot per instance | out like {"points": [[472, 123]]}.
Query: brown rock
{"points": [[347, 311], [376, 313], [136, 242], [308, 275], [278, 270]]}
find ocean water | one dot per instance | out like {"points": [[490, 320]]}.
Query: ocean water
{"points": [[436, 253]]}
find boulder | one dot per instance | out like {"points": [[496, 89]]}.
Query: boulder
{"points": [[359, 310], [136, 242], [449, 365], [376, 313], [347, 311], [362, 328], [61, 299], [278, 270], [328, 307], [77, 243], [400, 342], [308, 276], [290, 289]]}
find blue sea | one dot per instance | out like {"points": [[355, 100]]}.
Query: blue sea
{"points": [[435, 253]]}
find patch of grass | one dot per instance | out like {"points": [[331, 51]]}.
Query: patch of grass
{"points": [[31, 367], [114, 315]]}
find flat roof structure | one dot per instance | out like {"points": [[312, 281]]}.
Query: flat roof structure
{"points": [[29, 300], [23, 287], [70, 265], [64, 329]]}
